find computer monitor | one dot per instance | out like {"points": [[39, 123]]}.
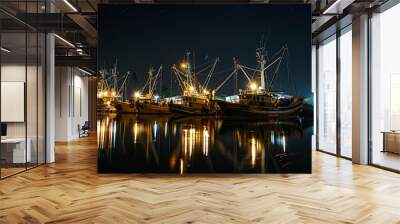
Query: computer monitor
{"points": [[3, 129]]}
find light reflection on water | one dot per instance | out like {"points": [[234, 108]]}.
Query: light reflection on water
{"points": [[163, 144]]}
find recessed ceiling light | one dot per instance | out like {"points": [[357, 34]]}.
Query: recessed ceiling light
{"points": [[64, 40], [84, 71], [337, 7], [70, 5], [5, 50]]}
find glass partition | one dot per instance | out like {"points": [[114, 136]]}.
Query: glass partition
{"points": [[346, 92], [14, 153], [31, 97], [385, 89], [326, 94], [41, 96], [314, 91], [22, 91]]}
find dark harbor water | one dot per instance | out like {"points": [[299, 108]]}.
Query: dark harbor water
{"points": [[181, 145]]}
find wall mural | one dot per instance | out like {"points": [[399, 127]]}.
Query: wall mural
{"points": [[204, 89]]}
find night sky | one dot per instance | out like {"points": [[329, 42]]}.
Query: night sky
{"points": [[143, 35]]}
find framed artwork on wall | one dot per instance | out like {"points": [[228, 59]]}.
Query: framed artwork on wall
{"points": [[204, 89]]}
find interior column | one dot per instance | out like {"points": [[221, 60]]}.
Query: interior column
{"points": [[50, 92], [360, 90]]}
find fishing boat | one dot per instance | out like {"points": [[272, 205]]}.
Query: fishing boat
{"points": [[196, 98], [142, 107], [195, 105], [261, 100], [146, 102], [109, 93]]}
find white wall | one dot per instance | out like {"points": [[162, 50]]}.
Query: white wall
{"points": [[61, 103], [71, 102], [79, 112]]}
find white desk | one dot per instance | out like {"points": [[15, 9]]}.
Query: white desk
{"points": [[19, 155]]}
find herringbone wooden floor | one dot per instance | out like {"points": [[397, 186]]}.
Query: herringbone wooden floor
{"points": [[71, 191]]}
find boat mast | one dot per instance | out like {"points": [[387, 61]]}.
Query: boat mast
{"points": [[188, 69], [150, 89], [151, 82], [261, 61], [102, 84], [187, 79], [154, 80], [210, 73], [235, 70], [114, 76], [122, 90], [261, 69]]}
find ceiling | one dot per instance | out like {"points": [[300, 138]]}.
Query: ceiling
{"points": [[74, 21]]}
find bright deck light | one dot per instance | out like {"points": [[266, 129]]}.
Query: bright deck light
{"points": [[253, 86], [183, 65], [137, 94], [191, 88]]}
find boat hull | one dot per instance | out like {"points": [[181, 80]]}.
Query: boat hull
{"points": [[106, 109], [194, 109], [143, 108], [237, 109]]}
